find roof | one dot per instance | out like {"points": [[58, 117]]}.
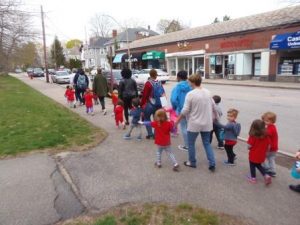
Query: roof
{"points": [[279, 17], [132, 32], [98, 42]]}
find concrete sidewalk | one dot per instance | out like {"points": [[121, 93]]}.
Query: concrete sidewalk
{"points": [[250, 83], [120, 171]]}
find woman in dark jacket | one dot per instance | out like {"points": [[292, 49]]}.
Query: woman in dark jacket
{"points": [[127, 91], [81, 83]]}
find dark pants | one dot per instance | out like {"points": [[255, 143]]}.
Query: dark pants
{"points": [[102, 101], [217, 130], [148, 112], [253, 167], [79, 93], [230, 153], [127, 107]]}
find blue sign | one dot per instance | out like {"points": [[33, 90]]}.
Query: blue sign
{"points": [[286, 41]]}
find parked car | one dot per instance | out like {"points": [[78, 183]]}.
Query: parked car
{"points": [[29, 71], [142, 76], [117, 77], [61, 77], [37, 72], [18, 70]]}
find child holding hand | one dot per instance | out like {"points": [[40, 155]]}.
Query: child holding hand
{"points": [[119, 114], [135, 112], [88, 99], [70, 95]]}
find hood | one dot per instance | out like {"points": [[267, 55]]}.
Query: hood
{"points": [[184, 86]]}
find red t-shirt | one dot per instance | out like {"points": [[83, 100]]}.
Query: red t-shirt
{"points": [[119, 113], [162, 132], [71, 95], [88, 98], [273, 135], [258, 148], [114, 99]]}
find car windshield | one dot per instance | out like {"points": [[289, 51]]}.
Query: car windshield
{"points": [[38, 70], [62, 73], [117, 75]]}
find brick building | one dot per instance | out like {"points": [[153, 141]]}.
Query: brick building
{"points": [[265, 46]]}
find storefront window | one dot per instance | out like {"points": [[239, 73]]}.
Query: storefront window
{"points": [[199, 66], [172, 67], [289, 63], [231, 64], [216, 64]]}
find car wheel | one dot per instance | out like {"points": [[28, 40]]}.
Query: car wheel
{"points": [[163, 82]]}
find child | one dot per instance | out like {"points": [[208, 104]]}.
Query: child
{"points": [[71, 97], [67, 92], [119, 118], [231, 131], [135, 112], [88, 98], [217, 129], [173, 118], [270, 119], [296, 173], [258, 144], [163, 128], [114, 99]]}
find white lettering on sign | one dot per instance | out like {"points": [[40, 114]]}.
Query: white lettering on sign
{"points": [[293, 38]]}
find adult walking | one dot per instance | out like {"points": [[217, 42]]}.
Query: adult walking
{"points": [[127, 91], [81, 83], [198, 109], [150, 102], [178, 95], [100, 88]]}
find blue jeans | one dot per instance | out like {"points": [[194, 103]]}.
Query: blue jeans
{"points": [[205, 136], [183, 128], [148, 112]]}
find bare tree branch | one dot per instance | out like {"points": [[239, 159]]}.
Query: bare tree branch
{"points": [[101, 25]]}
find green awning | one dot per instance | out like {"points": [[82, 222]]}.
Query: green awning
{"points": [[153, 55]]}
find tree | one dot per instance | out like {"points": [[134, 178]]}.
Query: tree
{"points": [[73, 43], [75, 63], [216, 20], [101, 25], [225, 18], [167, 26], [15, 29], [27, 55], [57, 54]]}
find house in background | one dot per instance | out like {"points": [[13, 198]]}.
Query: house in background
{"points": [[95, 53]]}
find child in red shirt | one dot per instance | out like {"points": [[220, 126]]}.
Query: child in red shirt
{"points": [[88, 98], [119, 116], [115, 98], [270, 119], [258, 144], [163, 128], [70, 96]]}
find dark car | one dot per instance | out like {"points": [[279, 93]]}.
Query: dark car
{"points": [[117, 77], [37, 72]]}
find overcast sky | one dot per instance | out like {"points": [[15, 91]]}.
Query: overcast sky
{"points": [[68, 18]]}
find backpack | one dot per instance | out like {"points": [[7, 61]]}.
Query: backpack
{"points": [[129, 90], [157, 92], [81, 82]]}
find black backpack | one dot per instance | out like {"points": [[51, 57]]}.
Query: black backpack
{"points": [[129, 88]]}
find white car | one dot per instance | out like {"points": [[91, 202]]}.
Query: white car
{"points": [[142, 76], [61, 77]]}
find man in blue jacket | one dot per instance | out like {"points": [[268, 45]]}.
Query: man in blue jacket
{"points": [[177, 100]]}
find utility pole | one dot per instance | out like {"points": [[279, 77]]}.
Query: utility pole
{"points": [[44, 43]]}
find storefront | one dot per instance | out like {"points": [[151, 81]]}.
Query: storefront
{"points": [[154, 59], [190, 61], [121, 60], [287, 47]]}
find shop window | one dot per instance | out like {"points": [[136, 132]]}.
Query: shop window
{"points": [[216, 64], [172, 67], [289, 63], [199, 66]]}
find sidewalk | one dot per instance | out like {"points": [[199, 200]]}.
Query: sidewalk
{"points": [[120, 171], [250, 83]]}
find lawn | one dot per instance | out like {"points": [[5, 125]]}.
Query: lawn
{"points": [[158, 214], [31, 121]]}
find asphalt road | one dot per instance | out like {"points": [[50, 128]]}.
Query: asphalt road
{"points": [[252, 102]]}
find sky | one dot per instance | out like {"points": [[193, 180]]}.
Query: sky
{"points": [[68, 19]]}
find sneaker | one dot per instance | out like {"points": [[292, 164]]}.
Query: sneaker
{"points": [[220, 147], [295, 188], [251, 180], [74, 106], [268, 180], [150, 137], [104, 112], [212, 168], [139, 138], [272, 174], [127, 137], [183, 148], [228, 163], [158, 165], [188, 164], [176, 168]]}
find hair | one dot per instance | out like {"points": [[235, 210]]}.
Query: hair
{"points": [[99, 71], [217, 99], [233, 112], [160, 116], [126, 73], [258, 129], [195, 79], [136, 102], [68, 86], [153, 73], [270, 116], [182, 75], [80, 71], [120, 102]]}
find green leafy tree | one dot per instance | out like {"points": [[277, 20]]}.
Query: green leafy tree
{"points": [[26, 55], [73, 43], [57, 54], [75, 63]]}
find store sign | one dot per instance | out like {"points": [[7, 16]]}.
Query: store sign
{"points": [[242, 43], [286, 41]]}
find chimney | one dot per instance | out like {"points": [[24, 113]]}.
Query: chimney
{"points": [[114, 33], [148, 27]]}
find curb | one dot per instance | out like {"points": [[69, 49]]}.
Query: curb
{"points": [[279, 151]]}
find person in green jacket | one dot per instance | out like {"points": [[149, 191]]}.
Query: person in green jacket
{"points": [[100, 88]]}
